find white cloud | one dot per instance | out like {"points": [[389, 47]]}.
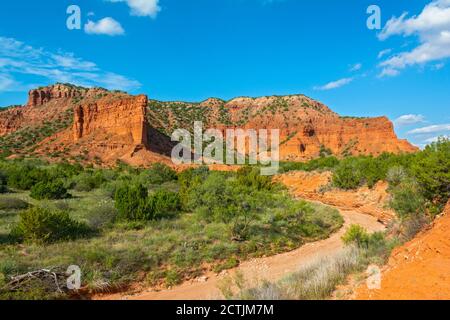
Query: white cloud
{"points": [[7, 83], [431, 129], [382, 53], [335, 84], [431, 26], [106, 26], [356, 67], [17, 58], [388, 72], [409, 119], [435, 139], [142, 8]]}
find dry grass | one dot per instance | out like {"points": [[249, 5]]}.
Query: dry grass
{"points": [[315, 281]]}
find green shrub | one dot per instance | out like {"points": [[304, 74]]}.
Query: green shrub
{"points": [[216, 199], [347, 175], [188, 180], [356, 235], [88, 181], [24, 177], [131, 201], [251, 177], [164, 204], [134, 203], [160, 173], [42, 225], [407, 200], [49, 191]]}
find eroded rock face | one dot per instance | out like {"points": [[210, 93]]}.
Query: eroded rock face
{"points": [[123, 117], [307, 127], [10, 120], [112, 125], [41, 96]]}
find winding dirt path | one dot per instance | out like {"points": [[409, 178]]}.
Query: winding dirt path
{"points": [[269, 268]]}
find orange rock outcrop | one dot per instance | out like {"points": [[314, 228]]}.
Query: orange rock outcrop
{"points": [[418, 270], [41, 96], [114, 125], [308, 127], [123, 117]]}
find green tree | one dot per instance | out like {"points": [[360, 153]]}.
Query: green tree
{"points": [[431, 169], [131, 202]]}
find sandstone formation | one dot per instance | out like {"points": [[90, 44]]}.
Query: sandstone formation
{"points": [[124, 117], [112, 125], [41, 96], [307, 127]]}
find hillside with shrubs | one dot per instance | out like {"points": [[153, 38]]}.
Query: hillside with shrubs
{"points": [[154, 226]]}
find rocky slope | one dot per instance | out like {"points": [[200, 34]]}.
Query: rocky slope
{"points": [[419, 269], [316, 186], [70, 122], [308, 128]]}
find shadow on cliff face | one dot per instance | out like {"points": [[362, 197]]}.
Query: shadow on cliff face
{"points": [[159, 142]]}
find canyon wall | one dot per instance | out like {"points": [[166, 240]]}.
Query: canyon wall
{"points": [[110, 125], [307, 127], [123, 117], [41, 96]]}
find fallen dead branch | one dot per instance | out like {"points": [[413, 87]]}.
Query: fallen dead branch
{"points": [[52, 279]]}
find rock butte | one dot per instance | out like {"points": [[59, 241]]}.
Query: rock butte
{"points": [[113, 125]]}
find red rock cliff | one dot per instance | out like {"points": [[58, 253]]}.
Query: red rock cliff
{"points": [[307, 126], [41, 96], [123, 117]]}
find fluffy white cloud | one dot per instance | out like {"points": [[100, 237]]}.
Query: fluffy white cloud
{"points": [[142, 8], [409, 119], [335, 84], [431, 26], [106, 26], [17, 58], [431, 129]]}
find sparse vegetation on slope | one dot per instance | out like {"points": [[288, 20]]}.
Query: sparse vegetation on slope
{"points": [[24, 141]]}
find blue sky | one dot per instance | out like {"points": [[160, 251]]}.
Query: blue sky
{"points": [[192, 50]]}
